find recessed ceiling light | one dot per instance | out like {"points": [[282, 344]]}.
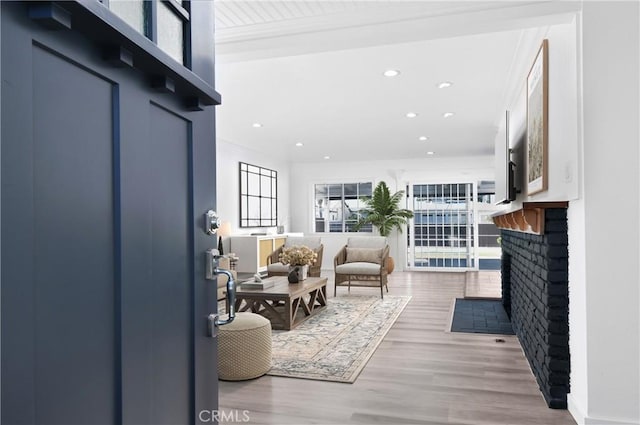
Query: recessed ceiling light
{"points": [[445, 84], [391, 73], [299, 144], [327, 157], [430, 153], [411, 115], [423, 138], [448, 114], [256, 125]]}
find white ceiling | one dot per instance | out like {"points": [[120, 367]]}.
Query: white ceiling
{"points": [[311, 72]]}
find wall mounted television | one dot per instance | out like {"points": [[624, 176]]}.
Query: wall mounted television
{"points": [[505, 168]]}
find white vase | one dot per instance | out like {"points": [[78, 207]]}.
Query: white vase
{"points": [[298, 273]]}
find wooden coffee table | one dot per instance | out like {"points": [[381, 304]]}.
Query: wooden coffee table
{"points": [[286, 305]]}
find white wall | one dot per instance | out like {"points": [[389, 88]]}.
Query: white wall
{"points": [[603, 224], [563, 180], [228, 185], [396, 173]]}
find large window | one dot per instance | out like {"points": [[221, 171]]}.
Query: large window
{"points": [[443, 226], [166, 23], [452, 226], [337, 206]]}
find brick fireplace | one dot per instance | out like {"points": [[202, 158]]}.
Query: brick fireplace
{"points": [[535, 294]]}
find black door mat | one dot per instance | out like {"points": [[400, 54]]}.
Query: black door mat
{"points": [[480, 316]]}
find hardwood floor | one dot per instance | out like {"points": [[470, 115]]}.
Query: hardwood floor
{"points": [[420, 373]]}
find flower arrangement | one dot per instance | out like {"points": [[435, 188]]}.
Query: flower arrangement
{"points": [[298, 256]]}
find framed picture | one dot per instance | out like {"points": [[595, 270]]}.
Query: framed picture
{"points": [[538, 122]]}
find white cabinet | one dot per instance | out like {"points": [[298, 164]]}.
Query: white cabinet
{"points": [[254, 250]]}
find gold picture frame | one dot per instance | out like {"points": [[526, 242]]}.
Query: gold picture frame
{"points": [[538, 122]]}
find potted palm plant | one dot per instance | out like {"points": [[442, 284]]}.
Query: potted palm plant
{"points": [[383, 212]]}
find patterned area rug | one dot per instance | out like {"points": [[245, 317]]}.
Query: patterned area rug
{"points": [[336, 344]]}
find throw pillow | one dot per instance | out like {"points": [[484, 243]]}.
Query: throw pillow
{"points": [[364, 255]]}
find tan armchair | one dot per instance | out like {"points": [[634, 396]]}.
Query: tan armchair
{"points": [[363, 262], [276, 268]]}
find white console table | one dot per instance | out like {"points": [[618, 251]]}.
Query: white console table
{"points": [[253, 251]]}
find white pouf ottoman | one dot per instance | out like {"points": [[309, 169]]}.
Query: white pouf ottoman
{"points": [[244, 348]]}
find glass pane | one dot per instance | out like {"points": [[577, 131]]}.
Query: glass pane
{"points": [[265, 186], [351, 210], [335, 210], [365, 189], [335, 191], [350, 190], [130, 11], [244, 206], [170, 32], [253, 211], [243, 182], [265, 208], [322, 206], [254, 185], [335, 216], [321, 190]]}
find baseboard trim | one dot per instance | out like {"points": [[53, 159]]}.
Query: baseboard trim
{"points": [[577, 413], [594, 421], [582, 419]]}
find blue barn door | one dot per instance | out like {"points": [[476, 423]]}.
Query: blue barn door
{"points": [[104, 183]]}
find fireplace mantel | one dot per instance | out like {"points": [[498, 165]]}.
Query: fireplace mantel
{"points": [[528, 219]]}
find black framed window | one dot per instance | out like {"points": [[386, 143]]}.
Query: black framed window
{"points": [[166, 23], [258, 196]]}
